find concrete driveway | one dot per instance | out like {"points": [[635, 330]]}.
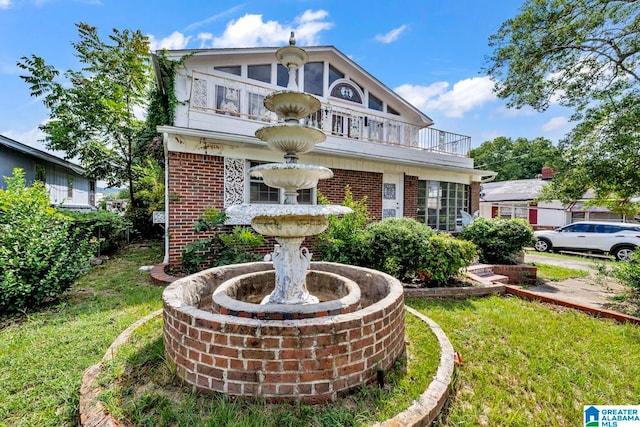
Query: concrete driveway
{"points": [[595, 290]]}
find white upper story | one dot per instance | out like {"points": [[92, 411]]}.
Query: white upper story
{"points": [[220, 94]]}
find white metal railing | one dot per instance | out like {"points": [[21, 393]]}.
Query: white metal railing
{"points": [[245, 100]]}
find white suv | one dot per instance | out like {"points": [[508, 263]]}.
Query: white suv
{"points": [[617, 238]]}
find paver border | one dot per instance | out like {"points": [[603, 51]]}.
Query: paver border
{"points": [[422, 412]]}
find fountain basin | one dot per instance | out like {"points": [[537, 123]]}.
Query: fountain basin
{"points": [[311, 360], [288, 139], [241, 296], [292, 176], [292, 105]]}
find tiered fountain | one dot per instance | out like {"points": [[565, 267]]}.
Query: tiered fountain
{"points": [[288, 329]]}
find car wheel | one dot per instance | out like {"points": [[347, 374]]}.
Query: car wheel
{"points": [[543, 245], [623, 253]]}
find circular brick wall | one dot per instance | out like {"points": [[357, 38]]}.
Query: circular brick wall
{"points": [[312, 359]]}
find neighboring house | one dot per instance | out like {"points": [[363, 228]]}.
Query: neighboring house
{"points": [[66, 182], [377, 143], [517, 199]]}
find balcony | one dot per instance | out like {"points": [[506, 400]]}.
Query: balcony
{"points": [[235, 98]]}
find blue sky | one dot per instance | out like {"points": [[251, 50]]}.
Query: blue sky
{"points": [[431, 52]]}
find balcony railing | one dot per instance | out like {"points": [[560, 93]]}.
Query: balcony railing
{"points": [[236, 98]]}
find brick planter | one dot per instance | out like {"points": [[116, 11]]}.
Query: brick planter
{"points": [[519, 273], [311, 359]]}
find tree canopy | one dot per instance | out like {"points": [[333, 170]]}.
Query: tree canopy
{"points": [[93, 110], [583, 54], [519, 159]]}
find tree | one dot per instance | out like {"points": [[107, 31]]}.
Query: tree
{"points": [[522, 159], [586, 55], [93, 111]]}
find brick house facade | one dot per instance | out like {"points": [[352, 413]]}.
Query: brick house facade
{"points": [[378, 144]]}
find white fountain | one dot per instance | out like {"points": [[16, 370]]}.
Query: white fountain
{"points": [[294, 346], [290, 222]]}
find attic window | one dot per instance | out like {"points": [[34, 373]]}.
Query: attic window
{"points": [[347, 92], [392, 111], [334, 74], [260, 72], [231, 69], [283, 76], [314, 77], [375, 103]]}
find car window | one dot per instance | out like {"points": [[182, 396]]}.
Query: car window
{"points": [[576, 228], [606, 228]]}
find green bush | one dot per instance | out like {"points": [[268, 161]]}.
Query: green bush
{"points": [[41, 253], [219, 248], [108, 228], [345, 236], [629, 272], [444, 259], [498, 240], [396, 246]]}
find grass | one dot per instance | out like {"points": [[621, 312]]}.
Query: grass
{"points": [[141, 389], [523, 363], [529, 364], [583, 257], [556, 273], [43, 354]]}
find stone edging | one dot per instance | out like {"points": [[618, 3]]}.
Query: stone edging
{"points": [[598, 312], [424, 410], [421, 413], [461, 292], [92, 412]]}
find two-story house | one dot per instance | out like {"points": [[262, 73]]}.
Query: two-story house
{"points": [[66, 182], [377, 143]]}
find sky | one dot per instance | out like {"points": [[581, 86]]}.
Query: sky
{"points": [[431, 52]]}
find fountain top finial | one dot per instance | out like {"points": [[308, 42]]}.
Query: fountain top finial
{"points": [[292, 39]]}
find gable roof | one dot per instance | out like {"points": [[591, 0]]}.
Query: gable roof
{"points": [[512, 191], [39, 154], [330, 53]]}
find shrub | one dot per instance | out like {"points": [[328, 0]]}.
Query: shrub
{"points": [[108, 228], [498, 240], [41, 253], [219, 248], [444, 259], [345, 236], [629, 272], [396, 246]]}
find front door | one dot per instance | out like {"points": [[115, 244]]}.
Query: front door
{"points": [[392, 195]]}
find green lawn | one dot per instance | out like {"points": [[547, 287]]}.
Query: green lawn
{"points": [[524, 363], [529, 364], [44, 354], [556, 273]]}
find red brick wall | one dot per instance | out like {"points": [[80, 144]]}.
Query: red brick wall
{"points": [[475, 197], [312, 360], [410, 196], [196, 182], [362, 184]]}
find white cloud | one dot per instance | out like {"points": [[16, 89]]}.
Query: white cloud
{"points": [[392, 35], [250, 30], [176, 40], [555, 124], [464, 96], [32, 138], [5, 4], [525, 111]]}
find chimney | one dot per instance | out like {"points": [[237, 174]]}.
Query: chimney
{"points": [[546, 173]]}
